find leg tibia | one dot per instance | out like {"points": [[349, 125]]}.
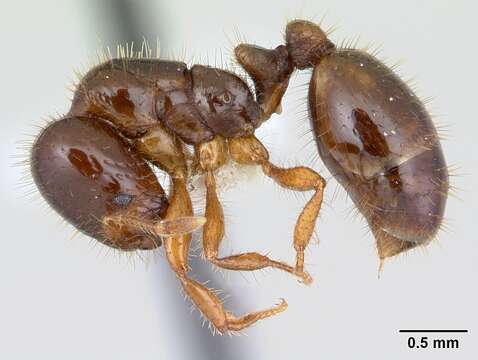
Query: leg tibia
{"points": [[305, 226], [254, 261], [206, 301], [213, 309], [213, 230], [176, 248], [243, 262]]}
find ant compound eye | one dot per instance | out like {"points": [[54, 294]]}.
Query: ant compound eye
{"points": [[123, 199], [226, 97]]}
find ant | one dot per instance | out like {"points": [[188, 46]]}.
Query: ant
{"points": [[93, 164]]}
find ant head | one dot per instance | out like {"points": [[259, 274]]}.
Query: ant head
{"points": [[87, 173], [306, 43]]}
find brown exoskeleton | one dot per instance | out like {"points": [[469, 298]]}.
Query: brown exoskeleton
{"points": [[92, 164], [372, 132]]}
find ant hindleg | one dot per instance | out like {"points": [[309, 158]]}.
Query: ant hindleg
{"points": [[249, 150], [177, 249], [211, 156]]}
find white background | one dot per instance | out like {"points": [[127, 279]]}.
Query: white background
{"points": [[69, 298]]}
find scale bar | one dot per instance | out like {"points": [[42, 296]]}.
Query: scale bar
{"points": [[433, 331]]}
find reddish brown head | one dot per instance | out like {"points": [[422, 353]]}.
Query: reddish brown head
{"points": [[91, 176]]}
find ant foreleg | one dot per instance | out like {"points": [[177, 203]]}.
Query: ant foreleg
{"points": [[249, 150], [237, 324]]}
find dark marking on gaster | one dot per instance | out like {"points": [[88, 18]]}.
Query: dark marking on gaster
{"points": [[372, 139]]}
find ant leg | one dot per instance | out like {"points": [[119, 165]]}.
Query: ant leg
{"points": [[137, 225], [210, 156], [213, 232], [237, 324], [212, 307], [300, 179], [165, 151], [177, 249], [249, 150]]}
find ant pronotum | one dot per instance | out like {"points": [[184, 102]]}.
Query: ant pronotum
{"points": [[92, 165]]}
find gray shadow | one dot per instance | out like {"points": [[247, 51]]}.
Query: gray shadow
{"points": [[124, 21], [187, 335]]}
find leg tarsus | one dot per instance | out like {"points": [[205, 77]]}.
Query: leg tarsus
{"points": [[239, 323], [305, 225], [213, 309]]}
